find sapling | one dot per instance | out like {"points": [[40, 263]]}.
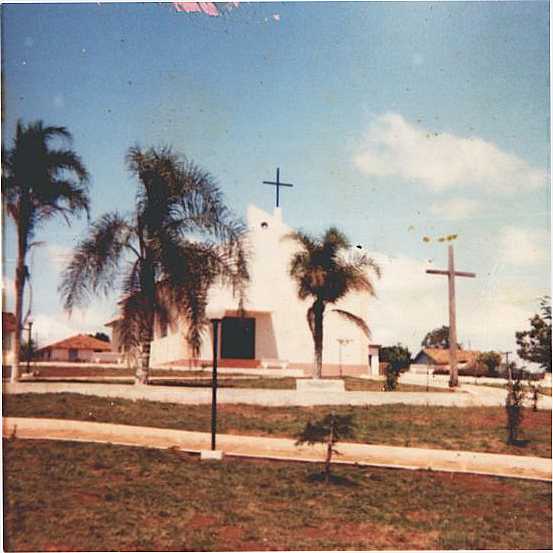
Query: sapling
{"points": [[329, 430], [513, 406], [534, 393]]}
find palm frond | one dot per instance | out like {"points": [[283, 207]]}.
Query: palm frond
{"points": [[357, 321], [95, 261]]}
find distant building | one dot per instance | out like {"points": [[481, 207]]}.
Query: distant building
{"points": [[274, 332], [439, 358], [8, 332], [76, 348]]}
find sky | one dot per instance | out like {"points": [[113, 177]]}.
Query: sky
{"points": [[394, 122]]}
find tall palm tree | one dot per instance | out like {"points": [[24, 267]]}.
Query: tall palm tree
{"points": [[38, 183], [322, 272], [164, 256]]}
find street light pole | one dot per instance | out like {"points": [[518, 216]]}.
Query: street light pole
{"points": [[215, 323], [29, 329]]}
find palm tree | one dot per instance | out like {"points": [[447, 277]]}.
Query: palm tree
{"points": [[164, 256], [38, 183], [323, 273]]}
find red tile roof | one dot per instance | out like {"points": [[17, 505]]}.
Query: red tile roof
{"points": [[80, 341], [8, 322], [441, 356]]}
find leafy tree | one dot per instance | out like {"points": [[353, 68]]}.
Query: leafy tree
{"points": [[398, 358], [39, 182], [437, 338], [100, 336], [398, 354], [164, 256], [535, 344], [491, 361], [323, 273], [328, 430]]}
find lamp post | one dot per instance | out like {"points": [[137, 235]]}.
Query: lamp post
{"points": [[216, 317], [341, 342], [29, 329]]}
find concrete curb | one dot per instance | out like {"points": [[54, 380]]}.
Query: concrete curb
{"points": [[512, 466], [267, 397]]}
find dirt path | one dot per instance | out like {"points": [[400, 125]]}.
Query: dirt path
{"points": [[280, 448]]}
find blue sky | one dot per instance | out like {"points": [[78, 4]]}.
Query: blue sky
{"points": [[394, 121]]}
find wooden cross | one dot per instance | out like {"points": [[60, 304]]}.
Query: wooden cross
{"points": [[278, 184], [451, 274]]}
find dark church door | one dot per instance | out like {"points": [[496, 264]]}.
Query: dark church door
{"points": [[238, 340]]}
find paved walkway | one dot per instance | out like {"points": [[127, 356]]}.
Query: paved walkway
{"points": [[267, 397], [534, 468]]}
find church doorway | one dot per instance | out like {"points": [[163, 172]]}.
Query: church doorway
{"points": [[238, 338]]}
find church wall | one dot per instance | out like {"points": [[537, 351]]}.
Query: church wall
{"points": [[282, 331]]}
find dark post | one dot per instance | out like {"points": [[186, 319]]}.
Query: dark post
{"points": [[509, 374], [214, 382], [29, 329]]}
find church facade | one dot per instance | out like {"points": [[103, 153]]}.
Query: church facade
{"points": [[274, 332]]}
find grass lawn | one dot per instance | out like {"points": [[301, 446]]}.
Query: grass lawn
{"points": [[70, 496], [468, 428], [202, 379]]}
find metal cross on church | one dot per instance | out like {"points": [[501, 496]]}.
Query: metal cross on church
{"points": [[278, 184], [451, 274]]}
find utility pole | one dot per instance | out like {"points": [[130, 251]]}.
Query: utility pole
{"points": [[509, 375]]}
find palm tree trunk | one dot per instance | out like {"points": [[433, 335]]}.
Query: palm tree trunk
{"points": [[329, 446], [20, 275], [318, 311], [143, 369]]}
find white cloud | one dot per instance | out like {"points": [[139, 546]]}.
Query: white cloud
{"points": [[523, 247], [455, 209], [395, 148]]}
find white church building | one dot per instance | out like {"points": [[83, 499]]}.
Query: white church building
{"points": [[274, 332]]}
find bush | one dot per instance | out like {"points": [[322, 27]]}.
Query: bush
{"points": [[490, 361], [398, 359], [392, 376]]}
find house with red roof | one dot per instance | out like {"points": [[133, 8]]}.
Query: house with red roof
{"points": [[8, 332], [76, 348]]}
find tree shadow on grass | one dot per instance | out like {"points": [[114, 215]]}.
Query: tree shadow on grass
{"points": [[520, 443], [334, 479]]}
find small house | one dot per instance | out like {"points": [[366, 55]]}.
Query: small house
{"points": [[8, 333], [437, 358], [76, 349]]}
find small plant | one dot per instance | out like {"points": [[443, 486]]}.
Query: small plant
{"points": [[329, 430], [534, 394], [513, 406]]}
